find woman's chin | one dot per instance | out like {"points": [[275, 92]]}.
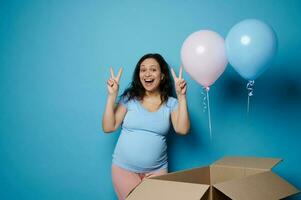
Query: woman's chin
{"points": [[151, 89]]}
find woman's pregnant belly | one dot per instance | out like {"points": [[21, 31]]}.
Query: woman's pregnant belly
{"points": [[141, 148]]}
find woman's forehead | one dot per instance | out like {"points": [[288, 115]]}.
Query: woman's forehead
{"points": [[149, 62]]}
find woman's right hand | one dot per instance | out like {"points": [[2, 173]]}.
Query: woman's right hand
{"points": [[113, 82]]}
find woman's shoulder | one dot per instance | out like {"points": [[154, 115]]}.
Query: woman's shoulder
{"points": [[171, 101], [125, 100]]}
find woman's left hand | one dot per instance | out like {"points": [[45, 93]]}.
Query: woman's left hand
{"points": [[180, 83]]}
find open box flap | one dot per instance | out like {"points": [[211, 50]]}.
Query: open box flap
{"points": [[248, 162], [199, 175], [151, 189], [261, 186]]}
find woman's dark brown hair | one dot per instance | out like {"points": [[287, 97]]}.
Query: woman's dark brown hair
{"points": [[136, 89]]}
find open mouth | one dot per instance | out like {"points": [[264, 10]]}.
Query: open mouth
{"points": [[149, 81]]}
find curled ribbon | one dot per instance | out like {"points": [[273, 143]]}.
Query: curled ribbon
{"points": [[205, 94], [250, 88], [204, 97]]}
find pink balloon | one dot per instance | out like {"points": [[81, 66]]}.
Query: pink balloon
{"points": [[203, 56]]}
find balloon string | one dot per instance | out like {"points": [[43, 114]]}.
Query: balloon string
{"points": [[209, 117], [250, 89], [204, 97], [248, 106]]}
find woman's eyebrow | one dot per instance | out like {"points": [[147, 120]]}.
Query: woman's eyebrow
{"points": [[154, 65]]}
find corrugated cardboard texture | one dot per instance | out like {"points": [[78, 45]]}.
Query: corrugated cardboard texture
{"points": [[168, 190], [261, 186], [240, 178], [248, 162], [224, 173], [197, 175]]}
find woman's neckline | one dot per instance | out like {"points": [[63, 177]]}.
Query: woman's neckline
{"points": [[144, 108]]}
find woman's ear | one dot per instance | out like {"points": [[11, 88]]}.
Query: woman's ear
{"points": [[162, 77]]}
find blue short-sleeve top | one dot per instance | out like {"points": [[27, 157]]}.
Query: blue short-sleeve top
{"points": [[141, 146]]}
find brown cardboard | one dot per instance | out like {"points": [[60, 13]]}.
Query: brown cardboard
{"points": [[151, 189], [240, 178], [248, 162], [261, 186]]}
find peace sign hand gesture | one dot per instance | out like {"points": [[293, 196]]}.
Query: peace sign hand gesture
{"points": [[113, 82], [180, 83]]}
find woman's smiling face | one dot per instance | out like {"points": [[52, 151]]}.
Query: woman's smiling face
{"points": [[150, 74]]}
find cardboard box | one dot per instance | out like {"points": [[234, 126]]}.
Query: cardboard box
{"points": [[240, 178]]}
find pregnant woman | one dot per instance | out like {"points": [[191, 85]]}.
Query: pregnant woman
{"points": [[145, 111]]}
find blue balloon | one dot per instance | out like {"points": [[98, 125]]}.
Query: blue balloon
{"points": [[251, 46]]}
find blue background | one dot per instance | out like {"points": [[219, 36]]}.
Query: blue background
{"points": [[54, 63]]}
